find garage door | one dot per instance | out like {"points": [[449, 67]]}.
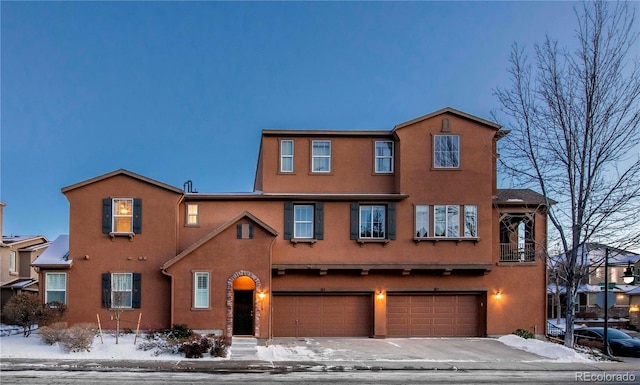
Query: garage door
{"points": [[322, 316], [449, 315]]}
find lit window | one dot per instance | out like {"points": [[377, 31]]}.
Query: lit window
{"points": [[372, 222], [422, 221], [121, 290], [303, 221], [286, 156], [56, 287], [12, 262], [384, 157], [122, 215], [321, 156], [192, 214], [446, 151], [201, 290]]}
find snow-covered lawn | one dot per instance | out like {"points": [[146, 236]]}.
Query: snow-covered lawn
{"points": [[545, 349]]}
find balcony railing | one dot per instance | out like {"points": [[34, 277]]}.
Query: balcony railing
{"points": [[517, 253]]}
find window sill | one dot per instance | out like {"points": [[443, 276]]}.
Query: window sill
{"points": [[200, 308], [517, 263], [114, 235], [309, 241], [321, 173], [192, 225], [362, 241], [13, 273], [446, 239]]}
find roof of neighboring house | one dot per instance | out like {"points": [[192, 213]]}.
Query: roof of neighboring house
{"points": [[514, 196], [36, 247], [635, 291], [20, 283], [14, 240], [56, 255], [217, 231], [121, 172]]}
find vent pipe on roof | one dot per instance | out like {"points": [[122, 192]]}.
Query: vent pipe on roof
{"points": [[188, 187]]}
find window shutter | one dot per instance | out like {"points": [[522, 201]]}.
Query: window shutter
{"points": [[136, 295], [137, 216], [106, 216], [239, 230], [319, 221], [106, 290], [355, 221], [288, 220], [250, 230], [391, 221]]}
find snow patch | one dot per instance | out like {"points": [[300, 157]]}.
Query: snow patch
{"points": [[545, 349]]}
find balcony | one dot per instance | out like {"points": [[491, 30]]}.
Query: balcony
{"points": [[510, 252]]}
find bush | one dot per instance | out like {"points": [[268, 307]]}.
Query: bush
{"points": [[524, 333], [221, 346], [78, 338], [180, 332], [53, 312], [24, 310], [53, 333], [159, 342], [196, 346]]}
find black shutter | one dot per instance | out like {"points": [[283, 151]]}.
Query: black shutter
{"points": [[239, 230], [355, 221], [137, 216], [106, 215], [288, 220], [318, 227], [391, 221], [250, 230], [136, 295], [106, 290]]}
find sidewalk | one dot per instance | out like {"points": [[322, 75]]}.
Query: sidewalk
{"points": [[344, 354]]}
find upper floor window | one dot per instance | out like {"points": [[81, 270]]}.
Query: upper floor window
{"points": [[121, 290], [286, 156], [449, 221], [373, 221], [192, 214], [446, 151], [303, 221], [321, 156], [55, 287], [384, 156], [201, 290], [121, 216], [12, 261]]}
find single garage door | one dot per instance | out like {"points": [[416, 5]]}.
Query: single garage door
{"points": [[322, 315], [446, 315]]}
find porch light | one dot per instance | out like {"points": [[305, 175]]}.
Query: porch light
{"points": [[634, 308], [261, 295], [498, 294], [628, 275], [380, 295]]}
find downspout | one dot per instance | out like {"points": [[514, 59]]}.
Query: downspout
{"points": [[270, 330], [172, 307]]}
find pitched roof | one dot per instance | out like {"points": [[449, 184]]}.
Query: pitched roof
{"points": [[520, 197], [121, 172], [449, 110], [214, 233], [56, 255], [14, 240]]}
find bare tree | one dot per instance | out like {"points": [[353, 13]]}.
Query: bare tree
{"points": [[574, 118]]}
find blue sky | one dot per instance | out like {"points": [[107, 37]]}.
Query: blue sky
{"points": [[181, 90]]}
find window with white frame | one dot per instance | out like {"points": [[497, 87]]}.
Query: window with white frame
{"points": [[303, 221], [372, 222], [55, 287], [192, 214], [384, 156], [201, 290], [446, 151], [286, 156], [121, 290], [422, 221], [12, 261], [122, 214], [321, 156]]}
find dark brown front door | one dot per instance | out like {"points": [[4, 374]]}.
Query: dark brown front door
{"points": [[243, 312]]}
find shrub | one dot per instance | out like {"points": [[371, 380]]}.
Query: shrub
{"points": [[220, 346], [180, 331], [524, 333], [53, 333], [159, 343], [53, 312], [78, 338], [24, 310], [196, 346]]}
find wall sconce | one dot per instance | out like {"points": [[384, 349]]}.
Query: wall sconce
{"points": [[634, 308], [380, 295], [261, 295], [498, 294]]}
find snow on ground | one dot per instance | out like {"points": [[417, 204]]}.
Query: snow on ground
{"points": [[544, 349]]}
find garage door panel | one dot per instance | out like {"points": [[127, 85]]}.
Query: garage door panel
{"points": [[322, 315]]}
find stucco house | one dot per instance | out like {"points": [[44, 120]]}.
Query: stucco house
{"points": [[389, 233]]}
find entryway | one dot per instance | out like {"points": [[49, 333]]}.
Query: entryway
{"points": [[243, 306]]}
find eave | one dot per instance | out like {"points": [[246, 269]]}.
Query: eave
{"points": [[297, 196]]}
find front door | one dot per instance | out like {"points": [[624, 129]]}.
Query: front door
{"points": [[243, 312]]}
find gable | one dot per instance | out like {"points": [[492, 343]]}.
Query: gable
{"points": [[125, 173]]}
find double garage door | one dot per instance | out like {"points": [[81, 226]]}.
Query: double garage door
{"points": [[443, 315], [446, 315]]}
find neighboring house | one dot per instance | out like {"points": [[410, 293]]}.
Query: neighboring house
{"points": [[56, 260], [634, 307], [16, 254], [393, 233]]}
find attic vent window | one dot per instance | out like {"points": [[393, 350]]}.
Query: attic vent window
{"points": [[445, 125]]}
